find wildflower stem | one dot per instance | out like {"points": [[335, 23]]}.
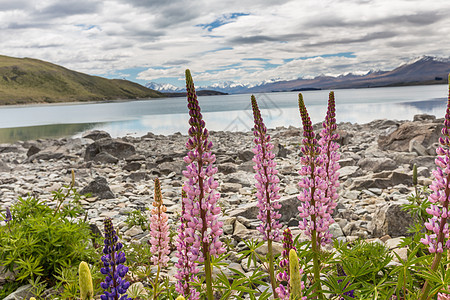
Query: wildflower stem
{"points": [[208, 275], [271, 268], [155, 287]]}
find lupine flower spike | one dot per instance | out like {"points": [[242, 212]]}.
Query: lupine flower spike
{"points": [[438, 240], [115, 285], [328, 152], [201, 210], [85, 281], [283, 275], [159, 232], [313, 185], [186, 267], [295, 282], [267, 187], [8, 218]]}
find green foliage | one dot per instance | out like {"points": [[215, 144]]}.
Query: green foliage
{"points": [[137, 218], [9, 287], [42, 240], [367, 269], [418, 203]]}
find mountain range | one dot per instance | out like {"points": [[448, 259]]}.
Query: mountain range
{"points": [[425, 70]]}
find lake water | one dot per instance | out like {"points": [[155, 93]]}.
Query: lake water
{"points": [[230, 112]]}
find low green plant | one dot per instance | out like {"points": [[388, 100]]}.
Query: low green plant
{"points": [[41, 240], [137, 218]]}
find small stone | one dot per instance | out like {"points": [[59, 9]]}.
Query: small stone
{"points": [[228, 187]]}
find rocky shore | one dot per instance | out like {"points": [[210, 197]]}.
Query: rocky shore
{"points": [[376, 176]]}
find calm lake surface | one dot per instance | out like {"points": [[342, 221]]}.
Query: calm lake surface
{"points": [[230, 112]]}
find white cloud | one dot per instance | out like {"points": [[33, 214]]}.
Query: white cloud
{"points": [[100, 37]]}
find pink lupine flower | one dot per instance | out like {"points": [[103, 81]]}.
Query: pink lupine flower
{"points": [[159, 229], [267, 188], [328, 152], [442, 296], [201, 210], [313, 195], [438, 238], [267, 179], [186, 268]]}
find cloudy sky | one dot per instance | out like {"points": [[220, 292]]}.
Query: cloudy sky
{"points": [[245, 41]]}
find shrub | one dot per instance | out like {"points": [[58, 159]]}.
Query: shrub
{"points": [[39, 240]]}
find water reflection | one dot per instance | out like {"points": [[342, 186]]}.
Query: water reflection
{"points": [[10, 135], [230, 113]]}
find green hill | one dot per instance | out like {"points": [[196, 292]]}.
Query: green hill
{"points": [[27, 80]]}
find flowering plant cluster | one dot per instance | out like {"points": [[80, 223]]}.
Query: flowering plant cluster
{"points": [[115, 285], [305, 269]]}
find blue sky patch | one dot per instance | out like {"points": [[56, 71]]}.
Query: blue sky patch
{"points": [[224, 19]]}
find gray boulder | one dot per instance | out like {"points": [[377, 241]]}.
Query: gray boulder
{"points": [[425, 133], [377, 164], [132, 166], [115, 147], [390, 219], [288, 210], [33, 150], [246, 155], [99, 188], [381, 180], [105, 158], [227, 168]]}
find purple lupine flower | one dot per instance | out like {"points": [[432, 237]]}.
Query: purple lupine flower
{"points": [[341, 272], [186, 268], [437, 224], [8, 217], [115, 285], [313, 207], [266, 179], [159, 229], [283, 275], [328, 152], [201, 209]]}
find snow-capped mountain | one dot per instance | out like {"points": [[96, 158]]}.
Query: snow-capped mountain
{"points": [[164, 87], [422, 70]]}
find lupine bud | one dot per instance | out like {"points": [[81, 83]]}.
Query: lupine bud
{"points": [[295, 281], [85, 281], [283, 275]]}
